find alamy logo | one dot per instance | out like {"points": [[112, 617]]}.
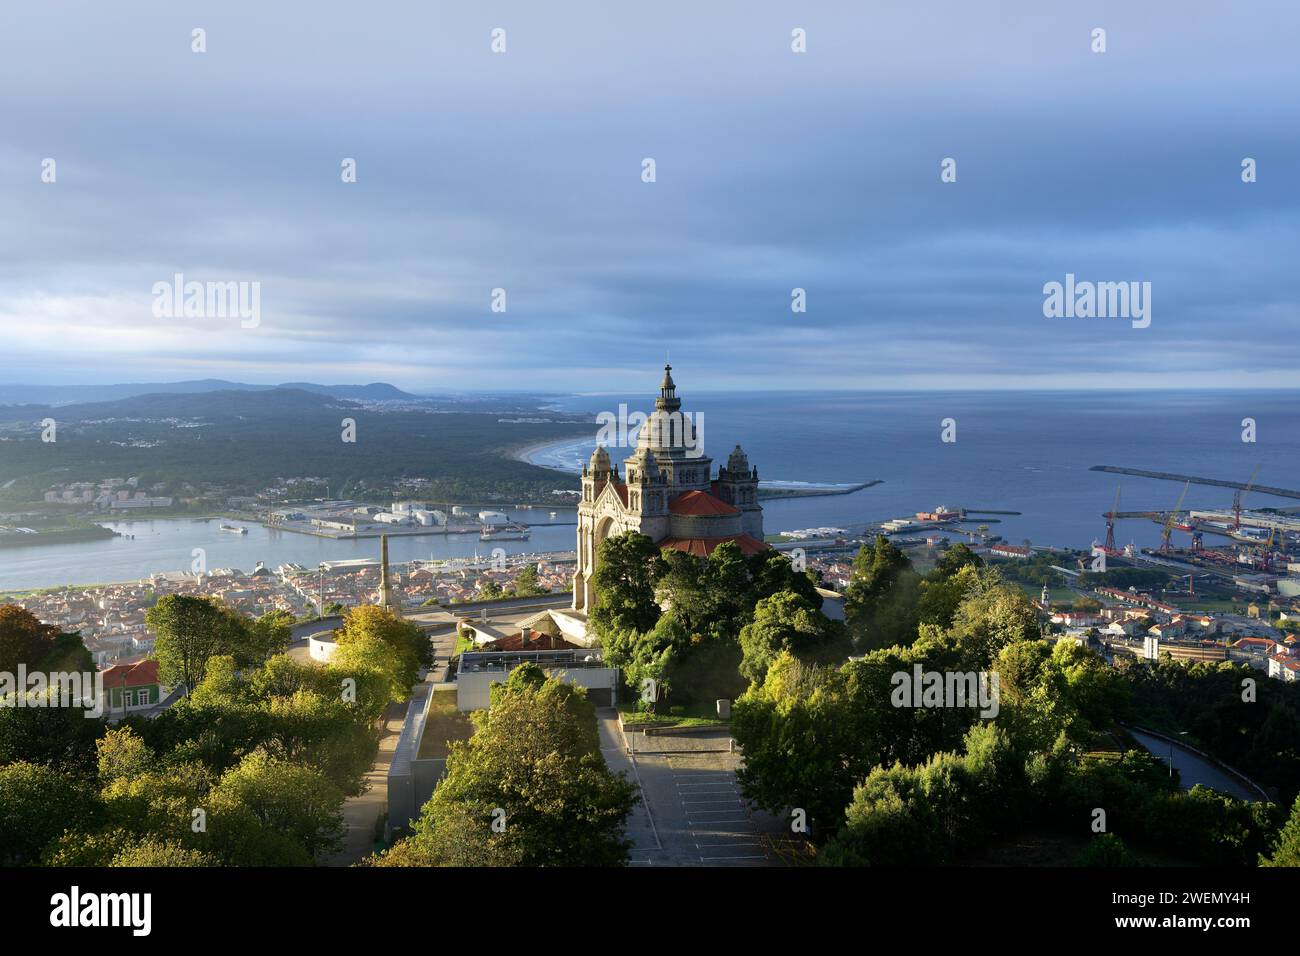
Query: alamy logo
{"points": [[1100, 300], [55, 689], [671, 429], [74, 908], [208, 300], [946, 689]]}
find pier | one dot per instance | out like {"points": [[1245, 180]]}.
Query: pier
{"points": [[767, 493], [1215, 482]]}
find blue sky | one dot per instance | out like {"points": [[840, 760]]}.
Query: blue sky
{"points": [[775, 170]]}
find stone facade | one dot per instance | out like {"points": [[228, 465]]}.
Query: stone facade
{"points": [[669, 494]]}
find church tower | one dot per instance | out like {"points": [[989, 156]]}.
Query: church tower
{"points": [[738, 487]]}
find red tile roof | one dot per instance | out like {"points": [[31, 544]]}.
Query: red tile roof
{"points": [[702, 547], [131, 675], [700, 504], [537, 641]]}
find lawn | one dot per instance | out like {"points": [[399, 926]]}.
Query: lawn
{"points": [[445, 723], [697, 715]]}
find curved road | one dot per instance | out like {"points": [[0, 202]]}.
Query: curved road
{"points": [[1193, 768]]}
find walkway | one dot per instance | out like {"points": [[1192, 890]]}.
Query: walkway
{"points": [[691, 812], [1193, 768], [361, 813]]}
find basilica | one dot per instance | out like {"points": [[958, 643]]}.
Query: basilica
{"points": [[668, 493]]}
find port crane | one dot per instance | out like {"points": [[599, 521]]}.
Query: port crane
{"points": [[1111, 515], [1238, 495], [1168, 529]]}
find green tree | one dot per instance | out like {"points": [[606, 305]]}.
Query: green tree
{"points": [[709, 596], [933, 813], [24, 639], [1107, 849], [152, 852], [1286, 848], [624, 585], [788, 621], [771, 572], [525, 583], [809, 735], [296, 801], [37, 803], [45, 732], [261, 638], [534, 769], [992, 615], [413, 648], [881, 597], [189, 631]]}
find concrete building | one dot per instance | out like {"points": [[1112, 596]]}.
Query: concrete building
{"points": [[479, 670]]}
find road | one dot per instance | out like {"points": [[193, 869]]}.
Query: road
{"points": [[1193, 768], [691, 812]]}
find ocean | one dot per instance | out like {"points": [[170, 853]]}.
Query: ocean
{"points": [[1014, 451]]}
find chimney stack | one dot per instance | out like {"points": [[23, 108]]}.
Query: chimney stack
{"points": [[525, 635]]}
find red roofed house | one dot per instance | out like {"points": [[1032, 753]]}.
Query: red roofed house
{"points": [[670, 494], [527, 639], [131, 687], [1284, 667]]}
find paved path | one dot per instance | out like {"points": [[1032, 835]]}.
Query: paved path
{"points": [[1193, 768], [360, 813], [691, 811]]}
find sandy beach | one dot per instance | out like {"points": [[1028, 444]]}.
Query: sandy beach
{"points": [[526, 453]]}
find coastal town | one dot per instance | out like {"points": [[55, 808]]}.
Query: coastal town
{"points": [[1247, 626]]}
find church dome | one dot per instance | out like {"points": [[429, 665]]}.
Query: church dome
{"points": [[599, 460]]}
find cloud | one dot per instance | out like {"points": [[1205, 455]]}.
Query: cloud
{"points": [[775, 171]]}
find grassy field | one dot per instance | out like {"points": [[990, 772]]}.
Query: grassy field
{"points": [[445, 724], [1062, 597], [701, 715]]}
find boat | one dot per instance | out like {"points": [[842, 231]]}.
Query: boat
{"points": [[234, 529], [504, 534]]}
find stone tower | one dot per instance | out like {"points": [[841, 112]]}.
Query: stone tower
{"points": [[738, 486], [386, 598]]}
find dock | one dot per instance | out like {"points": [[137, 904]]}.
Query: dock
{"points": [[1196, 480]]}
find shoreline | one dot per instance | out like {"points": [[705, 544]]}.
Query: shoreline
{"points": [[524, 453]]}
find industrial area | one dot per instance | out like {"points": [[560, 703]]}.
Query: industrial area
{"points": [[1260, 553]]}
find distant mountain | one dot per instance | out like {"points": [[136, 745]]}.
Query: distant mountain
{"points": [[225, 405], [68, 394], [374, 392]]}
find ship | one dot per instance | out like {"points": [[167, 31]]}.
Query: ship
{"points": [[234, 529], [507, 533], [940, 514]]}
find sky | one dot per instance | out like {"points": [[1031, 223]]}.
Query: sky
{"points": [[774, 170]]}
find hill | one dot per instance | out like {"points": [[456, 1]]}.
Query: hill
{"points": [[69, 394]]}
